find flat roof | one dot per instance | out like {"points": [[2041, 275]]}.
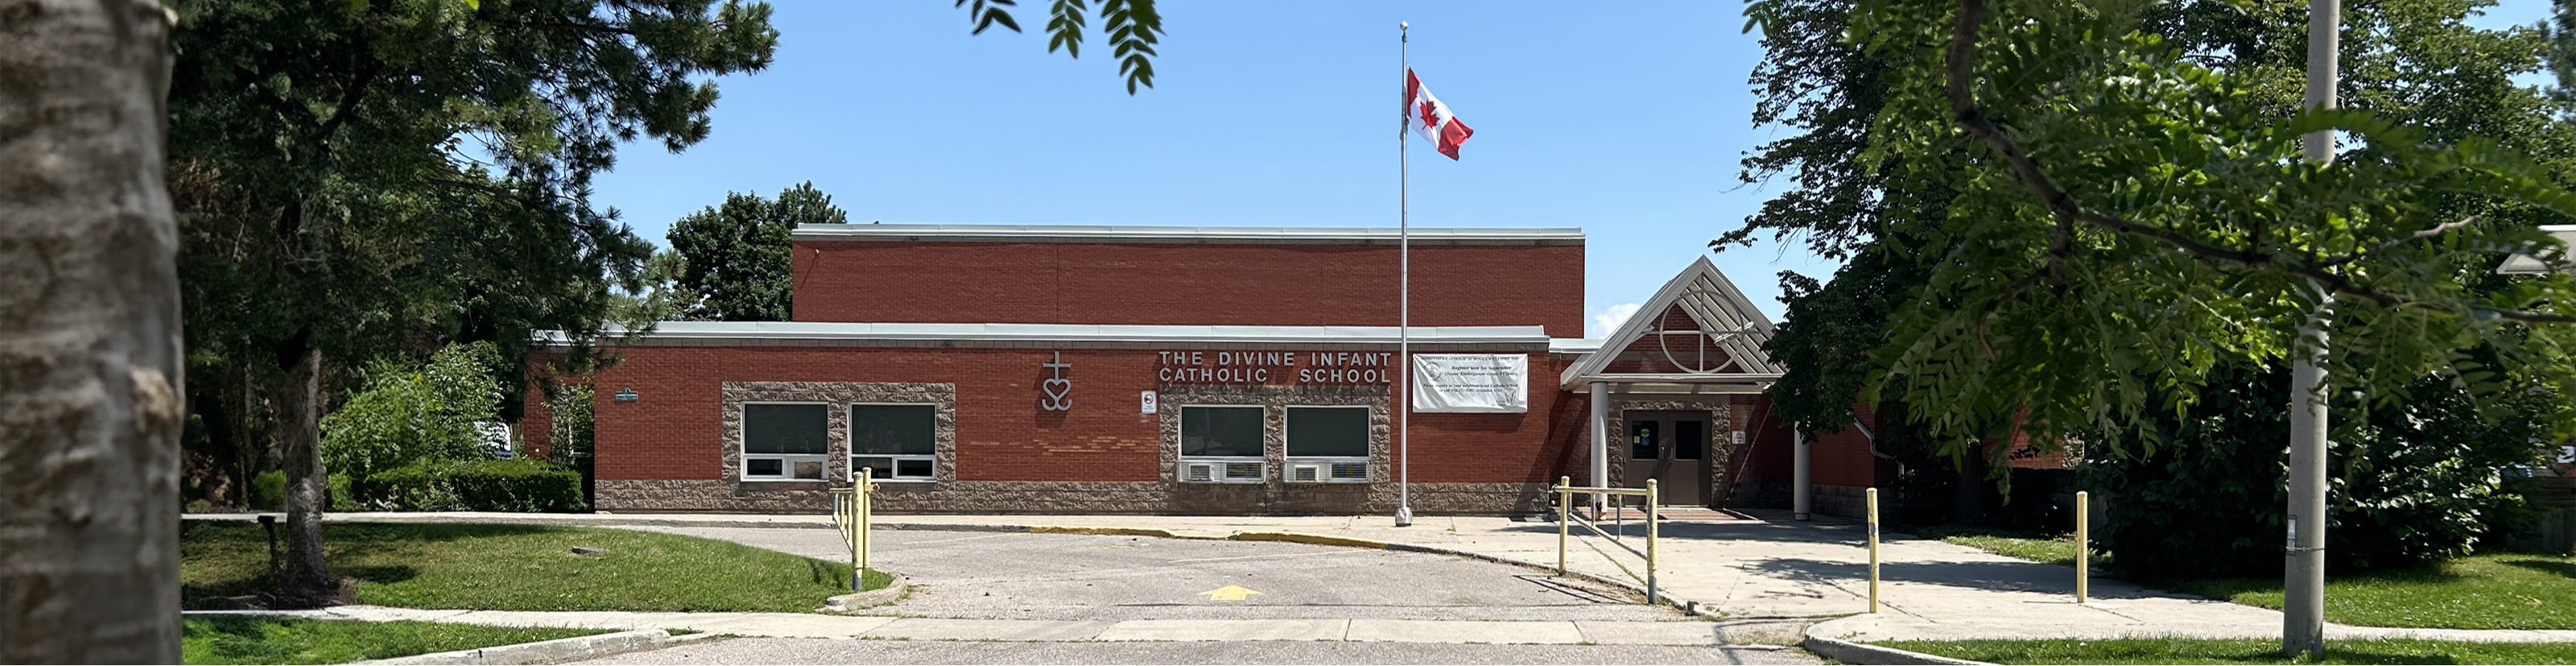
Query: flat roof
{"points": [[727, 333], [1053, 233]]}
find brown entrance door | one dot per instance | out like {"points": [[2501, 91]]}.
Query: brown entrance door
{"points": [[1673, 449]]}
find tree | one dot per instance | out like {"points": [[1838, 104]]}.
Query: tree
{"points": [[2136, 216], [2418, 480], [1847, 195], [2183, 134], [90, 364], [359, 181], [734, 258]]}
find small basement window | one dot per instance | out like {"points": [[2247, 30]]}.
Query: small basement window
{"points": [[785, 441], [1328, 444], [896, 442], [1221, 444]]}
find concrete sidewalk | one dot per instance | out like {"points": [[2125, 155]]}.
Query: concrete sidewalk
{"points": [[806, 625], [1735, 568]]}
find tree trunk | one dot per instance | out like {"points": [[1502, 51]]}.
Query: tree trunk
{"points": [[308, 582], [90, 358], [1968, 496]]}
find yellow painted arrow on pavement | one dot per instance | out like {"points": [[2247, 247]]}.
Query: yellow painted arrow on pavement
{"points": [[1229, 593]]}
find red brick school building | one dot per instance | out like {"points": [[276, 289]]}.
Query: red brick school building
{"points": [[1109, 369]]}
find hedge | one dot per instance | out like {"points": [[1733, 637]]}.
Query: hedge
{"points": [[519, 485]]}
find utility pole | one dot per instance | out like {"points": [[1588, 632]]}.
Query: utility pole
{"points": [[2303, 622]]}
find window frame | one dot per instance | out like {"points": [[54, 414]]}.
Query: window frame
{"points": [[850, 446], [1367, 438], [787, 461], [1181, 460]]}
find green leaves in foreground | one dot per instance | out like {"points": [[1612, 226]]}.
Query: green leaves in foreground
{"points": [[2127, 217], [1131, 26]]}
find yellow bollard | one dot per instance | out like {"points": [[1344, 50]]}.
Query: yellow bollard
{"points": [[1563, 498], [2083, 546], [1873, 549]]}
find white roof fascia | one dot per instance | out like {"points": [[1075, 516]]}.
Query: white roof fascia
{"points": [[1044, 233], [1573, 345], [2528, 265], [911, 332], [1737, 313]]}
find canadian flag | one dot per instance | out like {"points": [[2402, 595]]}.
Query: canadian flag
{"points": [[1432, 119]]}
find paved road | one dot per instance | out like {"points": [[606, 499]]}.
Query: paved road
{"points": [[1021, 576], [1098, 579], [816, 651]]}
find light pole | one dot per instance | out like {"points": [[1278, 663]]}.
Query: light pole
{"points": [[2303, 623]]}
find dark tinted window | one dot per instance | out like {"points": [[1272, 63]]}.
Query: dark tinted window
{"points": [[893, 429], [1688, 439], [1328, 432], [1221, 431], [1643, 438], [785, 429]]}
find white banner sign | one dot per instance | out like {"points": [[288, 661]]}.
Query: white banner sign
{"points": [[1471, 383]]}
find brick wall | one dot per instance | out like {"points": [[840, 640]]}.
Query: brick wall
{"points": [[673, 431], [1187, 284], [1838, 459]]}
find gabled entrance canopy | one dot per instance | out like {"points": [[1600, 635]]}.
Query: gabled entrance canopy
{"points": [[1699, 334]]}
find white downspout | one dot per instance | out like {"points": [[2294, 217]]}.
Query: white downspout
{"points": [[1600, 442]]}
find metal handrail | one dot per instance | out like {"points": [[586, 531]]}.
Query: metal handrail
{"points": [[1565, 520], [853, 512]]}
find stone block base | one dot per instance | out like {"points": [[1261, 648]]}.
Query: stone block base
{"points": [[1075, 497]]}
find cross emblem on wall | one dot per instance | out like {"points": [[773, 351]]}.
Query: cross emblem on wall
{"points": [[1057, 392]]}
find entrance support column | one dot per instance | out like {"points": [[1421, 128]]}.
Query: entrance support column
{"points": [[1600, 442], [1801, 475]]}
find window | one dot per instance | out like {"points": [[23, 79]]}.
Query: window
{"points": [[785, 442], [1221, 444], [1687, 440], [895, 442], [1642, 443], [1328, 444]]}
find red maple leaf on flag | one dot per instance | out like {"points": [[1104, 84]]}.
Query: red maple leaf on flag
{"points": [[1430, 114]]}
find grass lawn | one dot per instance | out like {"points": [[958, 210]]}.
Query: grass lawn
{"points": [[2497, 591], [2059, 549], [256, 640], [2241, 651], [520, 567]]}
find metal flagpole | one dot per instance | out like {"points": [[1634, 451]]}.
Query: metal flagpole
{"points": [[1404, 288]]}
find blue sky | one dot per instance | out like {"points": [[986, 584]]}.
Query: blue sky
{"points": [[1628, 120]]}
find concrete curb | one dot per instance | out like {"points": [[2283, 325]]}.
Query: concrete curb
{"points": [[1863, 653], [1311, 539], [577, 648], [1155, 532], [858, 601]]}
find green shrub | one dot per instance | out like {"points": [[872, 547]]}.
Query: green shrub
{"points": [[2410, 482], [481, 485], [268, 491], [408, 416]]}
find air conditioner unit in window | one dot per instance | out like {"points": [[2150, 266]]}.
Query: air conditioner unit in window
{"points": [[1199, 472], [1306, 472]]}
